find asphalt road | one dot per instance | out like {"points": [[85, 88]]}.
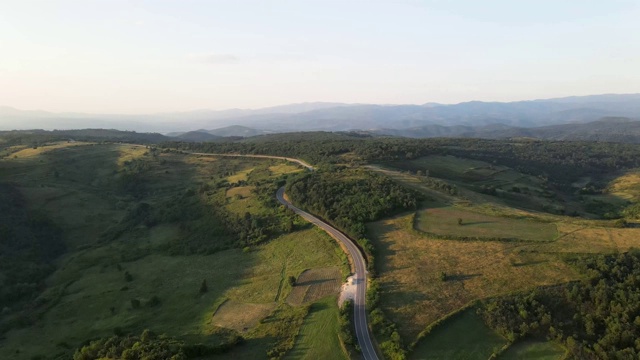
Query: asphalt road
{"points": [[359, 278]]}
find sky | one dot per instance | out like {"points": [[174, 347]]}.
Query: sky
{"points": [[164, 56]]}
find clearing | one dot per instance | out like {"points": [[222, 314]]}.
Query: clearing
{"points": [[444, 221]]}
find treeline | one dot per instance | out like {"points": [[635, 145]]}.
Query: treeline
{"points": [[149, 346], [314, 147], [29, 242], [595, 319], [350, 198], [41, 137]]}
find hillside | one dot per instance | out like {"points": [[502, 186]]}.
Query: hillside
{"points": [[196, 136], [236, 130]]}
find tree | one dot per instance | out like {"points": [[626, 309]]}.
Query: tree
{"points": [[292, 280], [128, 277], [203, 287], [459, 221]]}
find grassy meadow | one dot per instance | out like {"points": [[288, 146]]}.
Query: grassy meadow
{"points": [[534, 350], [445, 221], [120, 275]]}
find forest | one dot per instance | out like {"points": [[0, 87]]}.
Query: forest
{"points": [[350, 198], [598, 318]]}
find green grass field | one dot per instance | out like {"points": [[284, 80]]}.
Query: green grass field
{"points": [[444, 221], [533, 350], [464, 336], [318, 337]]}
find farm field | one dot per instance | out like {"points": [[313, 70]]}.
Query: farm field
{"points": [[315, 284], [463, 336], [444, 221], [111, 280], [318, 337]]}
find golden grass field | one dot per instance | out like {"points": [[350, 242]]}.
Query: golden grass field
{"points": [[241, 316], [410, 264], [315, 284]]}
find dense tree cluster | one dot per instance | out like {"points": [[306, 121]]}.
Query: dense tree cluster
{"points": [[350, 198], [596, 319], [148, 346], [41, 137]]}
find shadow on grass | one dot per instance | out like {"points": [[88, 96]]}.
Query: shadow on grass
{"points": [[530, 263], [462, 277], [464, 223], [314, 282]]}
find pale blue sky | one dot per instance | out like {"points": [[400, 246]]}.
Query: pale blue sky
{"points": [[155, 56]]}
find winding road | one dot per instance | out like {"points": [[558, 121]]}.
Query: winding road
{"points": [[360, 276]]}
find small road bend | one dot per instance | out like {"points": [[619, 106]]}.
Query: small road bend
{"points": [[359, 278]]}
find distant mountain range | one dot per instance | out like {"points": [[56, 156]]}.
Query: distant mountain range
{"points": [[612, 129], [426, 120]]}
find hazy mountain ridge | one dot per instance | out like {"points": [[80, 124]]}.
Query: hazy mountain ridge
{"points": [[344, 117]]}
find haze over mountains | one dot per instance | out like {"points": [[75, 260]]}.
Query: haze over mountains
{"points": [[475, 118]]}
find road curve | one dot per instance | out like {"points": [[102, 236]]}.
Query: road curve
{"points": [[359, 278], [297, 161]]}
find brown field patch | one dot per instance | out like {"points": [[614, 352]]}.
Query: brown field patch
{"points": [[240, 176], [409, 265], [626, 186], [582, 240], [244, 191], [30, 152], [314, 284], [284, 168], [625, 239], [240, 316]]}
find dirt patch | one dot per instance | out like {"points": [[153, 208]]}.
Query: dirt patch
{"points": [[240, 316], [348, 290], [314, 284]]}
